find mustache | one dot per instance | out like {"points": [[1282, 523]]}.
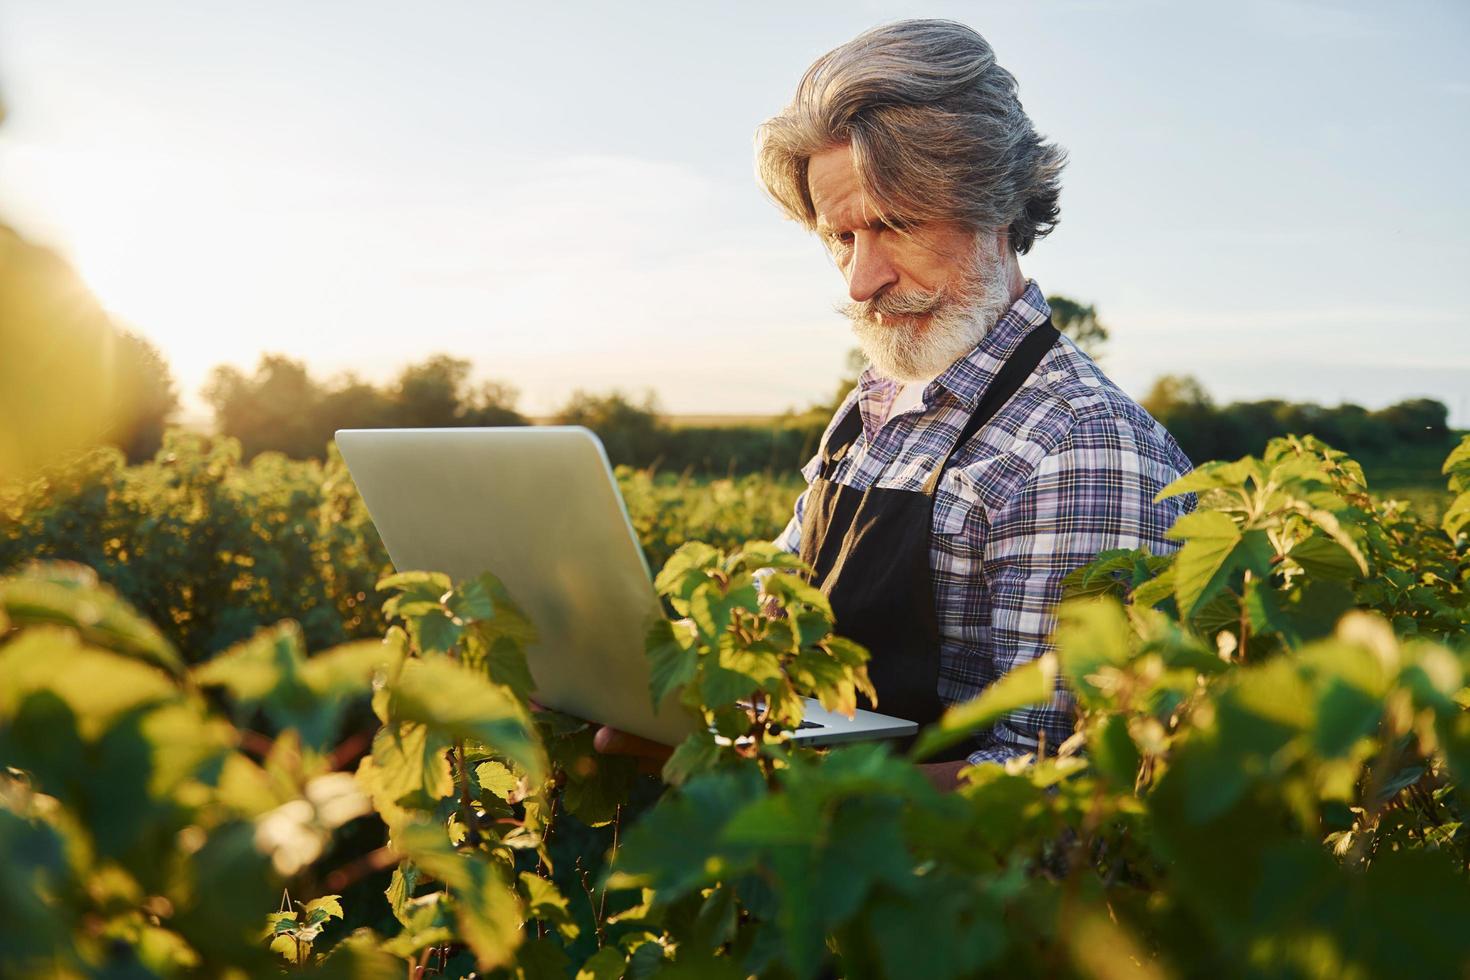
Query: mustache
{"points": [[893, 305]]}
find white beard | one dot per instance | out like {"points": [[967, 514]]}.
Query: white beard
{"points": [[905, 348]]}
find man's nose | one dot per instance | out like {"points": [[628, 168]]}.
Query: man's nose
{"points": [[871, 269]]}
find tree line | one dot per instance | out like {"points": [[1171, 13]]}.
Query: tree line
{"points": [[84, 378], [1205, 430]]}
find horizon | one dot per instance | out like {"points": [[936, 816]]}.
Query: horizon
{"points": [[360, 186]]}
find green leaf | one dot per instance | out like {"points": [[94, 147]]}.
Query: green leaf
{"points": [[430, 586], [1209, 537], [270, 671], [1109, 573], [1091, 636], [546, 902], [409, 766], [485, 906], [1263, 607], [427, 921], [696, 754], [470, 601], [711, 609], [1214, 551], [1329, 524], [1211, 476], [97, 686], [68, 594], [509, 621], [497, 778], [608, 963], [673, 658], [672, 848], [845, 651], [1457, 517], [759, 555], [434, 632], [1149, 594], [719, 687], [1034, 682], [541, 959], [817, 674], [1345, 714], [358, 957], [1322, 557], [1458, 461], [279, 922], [319, 910], [502, 658], [287, 947], [686, 569], [812, 627], [795, 590], [777, 820], [257, 668], [400, 890], [1113, 753], [456, 702]]}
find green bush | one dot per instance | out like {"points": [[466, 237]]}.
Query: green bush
{"points": [[1265, 779], [209, 549]]}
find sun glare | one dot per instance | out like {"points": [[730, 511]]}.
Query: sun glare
{"points": [[167, 245]]}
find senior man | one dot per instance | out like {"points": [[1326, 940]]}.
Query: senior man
{"points": [[981, 456]]}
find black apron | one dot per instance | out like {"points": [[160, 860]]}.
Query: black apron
{"points": [[869, 550]]}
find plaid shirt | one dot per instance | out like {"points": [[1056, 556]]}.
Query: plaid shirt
{"points": [[1066, 469]]}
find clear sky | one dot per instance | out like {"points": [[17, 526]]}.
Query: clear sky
{"points": [[1268, 195]]}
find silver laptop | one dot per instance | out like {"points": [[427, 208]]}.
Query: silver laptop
{"points": [[539, 507]]}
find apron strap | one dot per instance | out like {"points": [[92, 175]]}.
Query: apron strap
{"points": [[1013, 373], [842, 438]]}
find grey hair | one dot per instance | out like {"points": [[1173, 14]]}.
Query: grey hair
{"points": [[936, 129]]}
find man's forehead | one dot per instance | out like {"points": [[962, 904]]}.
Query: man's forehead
{"points": [[837, 194]]}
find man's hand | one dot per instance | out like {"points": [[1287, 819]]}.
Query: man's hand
{"points": [[944, 775], [650, 755]]}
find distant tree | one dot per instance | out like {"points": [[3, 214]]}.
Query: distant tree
{"points": [[631, 432], [1181, 403], [281, 407], [1174, 391], [276, 408], [1080, 323], [1205, 430], [437, 393], [492, 403], [1418, 420], [430, 394], [351, 403], [145, 398]]}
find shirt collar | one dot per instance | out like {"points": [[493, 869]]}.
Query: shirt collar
{"points": [[967, 378]]}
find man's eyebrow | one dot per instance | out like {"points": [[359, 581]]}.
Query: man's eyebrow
{"points": [[877, 224]]}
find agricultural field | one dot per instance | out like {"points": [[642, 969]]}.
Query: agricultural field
{"points": [[237, 741]]}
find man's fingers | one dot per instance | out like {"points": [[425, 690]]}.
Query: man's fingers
{"points": [[611, 741]]}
